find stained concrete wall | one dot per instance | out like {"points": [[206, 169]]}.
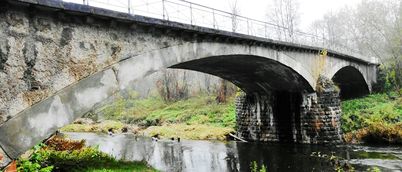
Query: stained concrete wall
{"points": [[57, 60]]}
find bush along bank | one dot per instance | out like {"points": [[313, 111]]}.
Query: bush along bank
{"points": [[376, 118], [60, 154]]}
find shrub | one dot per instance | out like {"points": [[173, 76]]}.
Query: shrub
{"points": [[67, 155]]}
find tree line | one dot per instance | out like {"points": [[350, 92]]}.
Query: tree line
{"points": [[372, 27]]}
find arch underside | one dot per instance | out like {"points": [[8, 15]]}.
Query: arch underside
{"points": [[250, 73], [351, 83]]}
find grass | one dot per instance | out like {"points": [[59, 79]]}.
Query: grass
{"points": [[198, 117], [102, 127], [375, 118], [197, 110], [153, 111], [120, 167], [192, 132]]}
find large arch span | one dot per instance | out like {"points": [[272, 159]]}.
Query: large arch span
{"points": [[255, 70]]}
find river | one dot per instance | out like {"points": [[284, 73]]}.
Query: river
{"points": [[205, 156]]}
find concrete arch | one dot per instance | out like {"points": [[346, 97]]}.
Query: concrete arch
{"points": [[38, 122], [351, 82], [145, 64], [340, 65]]}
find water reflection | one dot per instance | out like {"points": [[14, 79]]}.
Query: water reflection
{"points": [[203, 156]]}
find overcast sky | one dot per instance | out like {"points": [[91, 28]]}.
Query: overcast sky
{"points": [[310, 9]]}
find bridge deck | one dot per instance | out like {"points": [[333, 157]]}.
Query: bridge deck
{"points": [[85, 10]]}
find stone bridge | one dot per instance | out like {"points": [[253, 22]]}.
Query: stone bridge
{"points": [[58, 60]]}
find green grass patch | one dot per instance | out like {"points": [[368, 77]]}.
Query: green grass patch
{"points": [[376, 118], [191, 132], [375, 108], [198, 117], [154, 111], [102, 127]]}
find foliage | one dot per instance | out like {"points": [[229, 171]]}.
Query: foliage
{"points": [[389, 78], [193, 132], [375, 118], [36, 162], [70, 157], [375, 108], [254, 167], [61, 144], [378, 133]]}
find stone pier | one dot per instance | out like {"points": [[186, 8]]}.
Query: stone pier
{"points": [[291, 116]]}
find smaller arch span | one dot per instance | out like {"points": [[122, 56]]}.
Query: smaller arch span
{"points": [[351, 83]]}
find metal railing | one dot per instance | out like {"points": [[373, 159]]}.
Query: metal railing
{"points": [[195, 14]]}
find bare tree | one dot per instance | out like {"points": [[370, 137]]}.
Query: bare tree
{"points": [[224, 90], [207, 83], [171, 87], [374, 27], [284, 13]]}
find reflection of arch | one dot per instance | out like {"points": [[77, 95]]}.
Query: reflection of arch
{"points": [[274, 69], [351, 82]]}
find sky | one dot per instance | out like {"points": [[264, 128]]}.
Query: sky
{"points": [[310, 10]]}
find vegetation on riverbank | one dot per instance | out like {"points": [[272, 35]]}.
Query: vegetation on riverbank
{"points": [[199, 117], [192, 132], [154, 111], [101, 127], [59, 154], [376, 118]]}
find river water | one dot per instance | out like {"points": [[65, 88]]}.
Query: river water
{"points": [[205, 156]]}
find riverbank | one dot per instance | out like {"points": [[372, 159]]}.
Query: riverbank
{"points": [[198, 118], [375, 118]]}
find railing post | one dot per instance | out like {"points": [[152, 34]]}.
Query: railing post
{"points": [[129, 6], [191, 14], [213, 18], [248, 28], [163, 9], [265, 30]]}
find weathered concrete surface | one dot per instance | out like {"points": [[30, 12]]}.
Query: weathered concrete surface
{"points": [[36, 123], [58, 59]]}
